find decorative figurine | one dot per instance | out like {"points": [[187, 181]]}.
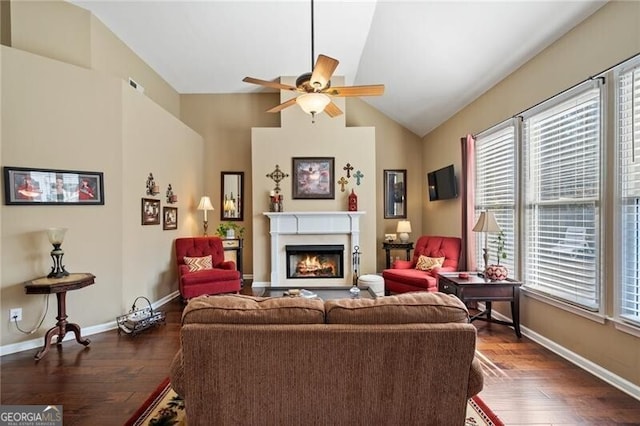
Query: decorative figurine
{"points": [[353, 202]]}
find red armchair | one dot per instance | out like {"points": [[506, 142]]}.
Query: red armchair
{"points": [[403, 275], [202, 276]]}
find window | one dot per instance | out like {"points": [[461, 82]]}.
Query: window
{"points": [[561, 184], [628, 191], [495, 189]]}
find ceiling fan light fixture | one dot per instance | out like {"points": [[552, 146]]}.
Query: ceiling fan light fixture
{"points": [[313, 103]]}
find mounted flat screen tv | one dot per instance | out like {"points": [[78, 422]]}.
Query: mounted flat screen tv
{"points": [[442, 184]]}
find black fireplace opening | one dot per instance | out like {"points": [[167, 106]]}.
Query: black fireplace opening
{"points": [[315, 261]]}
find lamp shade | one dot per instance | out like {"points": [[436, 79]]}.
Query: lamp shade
{"points": [[487, 223], [205, 204], [404, 226], [56, 235], [313, 103]]}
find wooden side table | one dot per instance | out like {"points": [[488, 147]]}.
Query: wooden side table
{"points": [[233, 251], [60, 286], [479, 289], [388, 246]]}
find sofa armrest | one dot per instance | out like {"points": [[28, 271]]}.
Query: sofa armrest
{"points": [[176, 373], [229, 264], [402, 264], [183, 269], [476, 378]]}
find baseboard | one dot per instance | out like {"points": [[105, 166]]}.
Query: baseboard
{"points": [[86, 331], [614, 380]]}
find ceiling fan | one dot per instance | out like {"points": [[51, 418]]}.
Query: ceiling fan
{"points": [[315, 87]]}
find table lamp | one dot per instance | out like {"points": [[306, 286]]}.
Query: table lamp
{"points": [[486, 223], [403, 230], [56, 237], [205, 205]]}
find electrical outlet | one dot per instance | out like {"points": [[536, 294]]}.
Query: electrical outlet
{"points": [[17, 313]]}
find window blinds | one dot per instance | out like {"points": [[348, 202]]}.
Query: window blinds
{"points": [[628, 123], [561, 146], [495, 189]]}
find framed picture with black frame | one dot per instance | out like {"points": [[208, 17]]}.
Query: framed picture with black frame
{"points": [[313, 178], [31, 186], [169, 218], [150, 211]]}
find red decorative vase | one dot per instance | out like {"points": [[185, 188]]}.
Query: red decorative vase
{"points": [[496, 272]]}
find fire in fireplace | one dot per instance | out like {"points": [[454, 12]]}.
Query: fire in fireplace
{"points": [[315, 261]]}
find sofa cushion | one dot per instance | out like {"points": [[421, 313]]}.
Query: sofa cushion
{"points": [[208, 275], [242, 309], [406, 308], [198, 263], [412, 277], [426, 263]]}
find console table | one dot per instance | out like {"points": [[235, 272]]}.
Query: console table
{"points": [[60, 286], [480, 289], [388, 246]]}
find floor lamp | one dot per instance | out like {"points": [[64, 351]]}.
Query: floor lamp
{"points": [[486, 223]]}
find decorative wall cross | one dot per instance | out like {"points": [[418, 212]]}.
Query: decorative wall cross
{"points": [[358, 175], [277, 175], [348, 168], [342, 182]]}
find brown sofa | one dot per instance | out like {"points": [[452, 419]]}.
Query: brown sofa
{"points": [[405, 359]]}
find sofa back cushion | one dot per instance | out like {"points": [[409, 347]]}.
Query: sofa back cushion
{"points": [[406, 308], [199, 247], [447, 247], [242, 309]]}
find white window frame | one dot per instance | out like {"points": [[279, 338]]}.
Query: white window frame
{"points": [[595, 311], [622, 323], [512, 242]]}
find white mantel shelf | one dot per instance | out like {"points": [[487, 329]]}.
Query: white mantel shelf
{"points": [[309, 223]]}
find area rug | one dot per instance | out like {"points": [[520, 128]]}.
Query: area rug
{"points": [[165, 407]]}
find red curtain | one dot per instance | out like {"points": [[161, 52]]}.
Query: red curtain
{"points": [[468, 261]]}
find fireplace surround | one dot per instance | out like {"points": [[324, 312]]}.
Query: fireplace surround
{"points": [[312, 228]]}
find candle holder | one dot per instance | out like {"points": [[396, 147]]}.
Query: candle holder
{"points": [[56, 237]]}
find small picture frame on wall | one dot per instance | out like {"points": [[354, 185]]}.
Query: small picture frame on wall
{"points": [[150, 211], [170, 218], [313, 178], [29, 186]]}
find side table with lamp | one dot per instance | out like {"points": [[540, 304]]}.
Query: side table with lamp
{"points": [[58, 282]]}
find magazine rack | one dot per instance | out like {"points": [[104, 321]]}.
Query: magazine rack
{"points": [[137, 320]]}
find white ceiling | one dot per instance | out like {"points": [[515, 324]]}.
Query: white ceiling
{"points": [[434, 57]]}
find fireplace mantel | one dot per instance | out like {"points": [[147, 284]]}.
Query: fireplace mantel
{"points": [[309, 224]]}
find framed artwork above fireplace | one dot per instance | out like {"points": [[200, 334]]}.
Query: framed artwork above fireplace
{"points": [[313, 178]]}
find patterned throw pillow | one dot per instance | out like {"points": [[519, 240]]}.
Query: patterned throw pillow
{"points": [[198, 263], [426, 263]]}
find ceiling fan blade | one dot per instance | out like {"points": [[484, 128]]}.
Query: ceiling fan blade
{"points": [[283, 105], [332, 110], [272, 84], [370, 90], [322, 71]]}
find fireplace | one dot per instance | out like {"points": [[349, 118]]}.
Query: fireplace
{"points": [[314, 261]]}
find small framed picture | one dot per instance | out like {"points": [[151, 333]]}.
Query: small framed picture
{"points": [[169, 218], [150, 211], [27, 186], [313, 178]]}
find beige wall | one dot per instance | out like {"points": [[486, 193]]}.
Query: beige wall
{"points": [[61, 116], [609, 36], [62, 31]]}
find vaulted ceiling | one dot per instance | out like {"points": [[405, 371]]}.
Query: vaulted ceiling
{"points": [[434, 57]]}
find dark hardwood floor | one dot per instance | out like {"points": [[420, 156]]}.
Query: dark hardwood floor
{"points": [[106, 382]]}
